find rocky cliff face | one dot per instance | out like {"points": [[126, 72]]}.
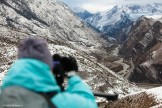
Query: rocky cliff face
{"points": [[143, 47], [120, 29], [66, 35]]}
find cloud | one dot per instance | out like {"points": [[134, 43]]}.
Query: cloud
{"points": [[74, 3], [93, 8], [102, 5]]}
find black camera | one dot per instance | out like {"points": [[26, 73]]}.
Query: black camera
{"points": [[61, 66]]}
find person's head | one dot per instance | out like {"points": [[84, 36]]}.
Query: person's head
{"points": [[35, 48]]}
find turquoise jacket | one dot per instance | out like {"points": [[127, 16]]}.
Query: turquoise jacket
{"points": [[37, 76]]}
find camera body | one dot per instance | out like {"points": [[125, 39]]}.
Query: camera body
{"points": [[61, 66]]}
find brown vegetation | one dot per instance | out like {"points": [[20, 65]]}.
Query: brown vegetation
{"points": [[140, 100]]}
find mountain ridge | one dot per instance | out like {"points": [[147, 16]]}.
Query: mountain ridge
{"points": [[111, 22], [143, 46]]}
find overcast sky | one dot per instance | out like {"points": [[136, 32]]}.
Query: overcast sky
{"points": [[102, 5]]}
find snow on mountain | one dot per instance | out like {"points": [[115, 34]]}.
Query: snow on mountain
{"points": [[119, 18], [66, 34], [155, 17], [133, 11], [137, 11]]}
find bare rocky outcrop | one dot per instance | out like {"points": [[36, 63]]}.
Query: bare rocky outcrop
{"points": [[144, 47]]}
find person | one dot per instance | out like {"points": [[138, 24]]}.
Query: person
{"points": [[30, 82]]}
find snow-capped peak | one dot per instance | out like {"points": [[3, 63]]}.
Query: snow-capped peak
{"points": [[137, 10], [114, 20], [155, 17]]}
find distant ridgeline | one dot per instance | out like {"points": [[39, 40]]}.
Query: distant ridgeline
{"points": [[118, 21]]}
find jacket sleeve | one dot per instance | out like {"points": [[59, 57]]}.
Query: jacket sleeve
{"points": [[77, 95]]}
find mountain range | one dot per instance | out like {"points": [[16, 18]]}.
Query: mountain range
{"points": [[118, 21]]}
